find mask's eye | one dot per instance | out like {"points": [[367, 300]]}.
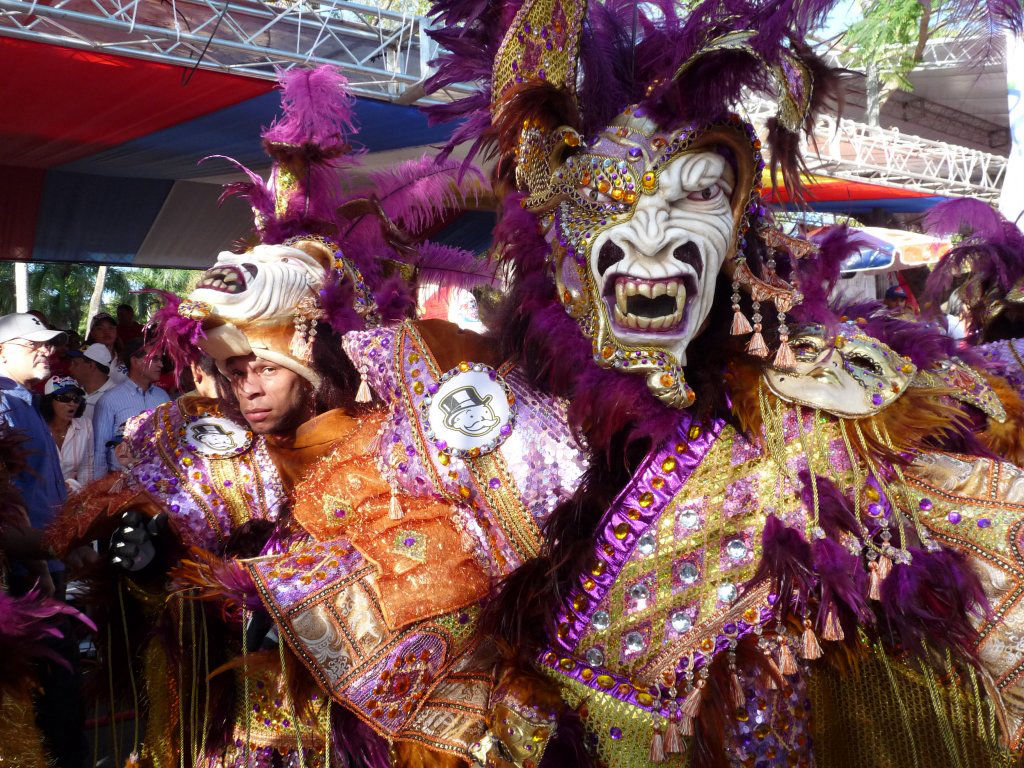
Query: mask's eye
{"points": [[864, 362], [805, 350], [714, 192], [594, 194]]}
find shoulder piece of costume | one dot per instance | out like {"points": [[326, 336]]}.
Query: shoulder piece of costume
{"points": [[207, 469], [1007, 360]]}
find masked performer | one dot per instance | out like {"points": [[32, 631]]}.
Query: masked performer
{"points": [[773, 558], [215, 477]]}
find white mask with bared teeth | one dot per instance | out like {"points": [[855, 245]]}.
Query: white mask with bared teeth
{"points": [[656, 272], [267, 281]]}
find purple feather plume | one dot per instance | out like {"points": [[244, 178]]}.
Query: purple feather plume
{"points": [[175, 336], [26, 624], [318, 112]]}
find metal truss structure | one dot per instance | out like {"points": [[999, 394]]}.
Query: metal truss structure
{"points": [[846, 149], [854, 151], [381, 52], [384, 54], [946, 53]]}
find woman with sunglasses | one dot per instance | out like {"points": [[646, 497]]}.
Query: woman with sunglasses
{"points": [[62, 406]]}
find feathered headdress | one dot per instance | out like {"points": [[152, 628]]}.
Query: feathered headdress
{"points": [[318, 254], [985, 268]]}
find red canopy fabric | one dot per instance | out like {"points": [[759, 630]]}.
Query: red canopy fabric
{"points": [[128, 98]]}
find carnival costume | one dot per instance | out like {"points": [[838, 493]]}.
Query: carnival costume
{"points": [[222, 490], [764, 564]]}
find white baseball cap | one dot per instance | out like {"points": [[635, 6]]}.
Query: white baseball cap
{"points": [[25, 326], [56, 385], [97, 352]]}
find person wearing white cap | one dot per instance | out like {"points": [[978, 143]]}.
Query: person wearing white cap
{"points": [[26, 346], [91, 368], [63, 406]]}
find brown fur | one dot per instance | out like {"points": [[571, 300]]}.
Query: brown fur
{"points": [[1006, 440]]}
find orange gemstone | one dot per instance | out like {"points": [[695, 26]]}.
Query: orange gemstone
{"points": [[444, 459], [589, 584], [464, 366], [603, 186], [567, 664], [667, 380], [646, 499], [669, 465], [598, 568], [617, 194], [629, 197], [580, 603], [658, 483], [633, 514], [607, 352], [605, 681], [621, 531], [418, 387], [694, 432], [587, 674]]}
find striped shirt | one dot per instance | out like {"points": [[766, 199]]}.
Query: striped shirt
{"points": [[113, 409]]}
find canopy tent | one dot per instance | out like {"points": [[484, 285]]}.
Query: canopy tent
{"points": [[827, 194], [100, 156], [884, 250]]}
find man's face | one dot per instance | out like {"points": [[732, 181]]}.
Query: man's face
{"points": [[273, 399], [78, 368], [146, 368], [104, 332], [25, 360]]}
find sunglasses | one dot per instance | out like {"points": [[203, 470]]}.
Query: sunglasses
{"points": [[68, 398]]}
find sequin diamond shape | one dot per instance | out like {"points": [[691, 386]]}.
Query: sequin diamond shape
{"points": [[411, 544]]}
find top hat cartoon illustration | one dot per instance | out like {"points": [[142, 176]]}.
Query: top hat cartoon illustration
{"points": [[467, 412]]}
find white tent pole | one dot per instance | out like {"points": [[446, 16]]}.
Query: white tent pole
{"points": [[20, 286], [1011, 201]]}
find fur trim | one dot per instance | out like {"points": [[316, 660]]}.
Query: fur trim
{"points": [[1006, 440]]}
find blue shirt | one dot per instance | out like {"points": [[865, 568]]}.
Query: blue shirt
{"points": [[41, 483], [113, 409]]}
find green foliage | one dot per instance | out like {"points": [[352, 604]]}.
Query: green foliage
{"points": [[886, 39], [62, 291]]}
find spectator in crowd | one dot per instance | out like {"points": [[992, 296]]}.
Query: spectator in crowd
{"points": [[91, 368], [26, 345], [131, 397], [128, 327], [204, 378], [896, 300], [62, 405], [25, 348], [103, 330]]}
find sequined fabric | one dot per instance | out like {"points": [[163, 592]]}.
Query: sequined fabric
{"points": [[205, 498], [499, 501], [426, 682], [976, 506]]}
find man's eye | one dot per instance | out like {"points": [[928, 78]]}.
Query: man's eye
{"points": [[707, 194]]}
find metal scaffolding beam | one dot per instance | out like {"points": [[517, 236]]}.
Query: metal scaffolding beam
{"points": [[381, 52]]}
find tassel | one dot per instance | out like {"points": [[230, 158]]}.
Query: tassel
{"points": [[691, 704], [884, 567], [740, 324], [787, 662], [736, 689], [686, 727], [395, 511], [673, 741], [784, 358], [833, 630], [657, 748], [874, 583], [756, 345], [363, 394], [773, 674], [812, 648]]}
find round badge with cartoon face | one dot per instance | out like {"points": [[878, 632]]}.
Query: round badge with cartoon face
{"points": [[216, 437], [471, 413]]}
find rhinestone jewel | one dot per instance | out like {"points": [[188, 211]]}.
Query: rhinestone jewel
{"points": [[634, 642], [681, 622], [600, 620], [646, 543], [639, 592], [595, 657], [727, 592], [688, 573], [688, 518], [736, 549]]}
